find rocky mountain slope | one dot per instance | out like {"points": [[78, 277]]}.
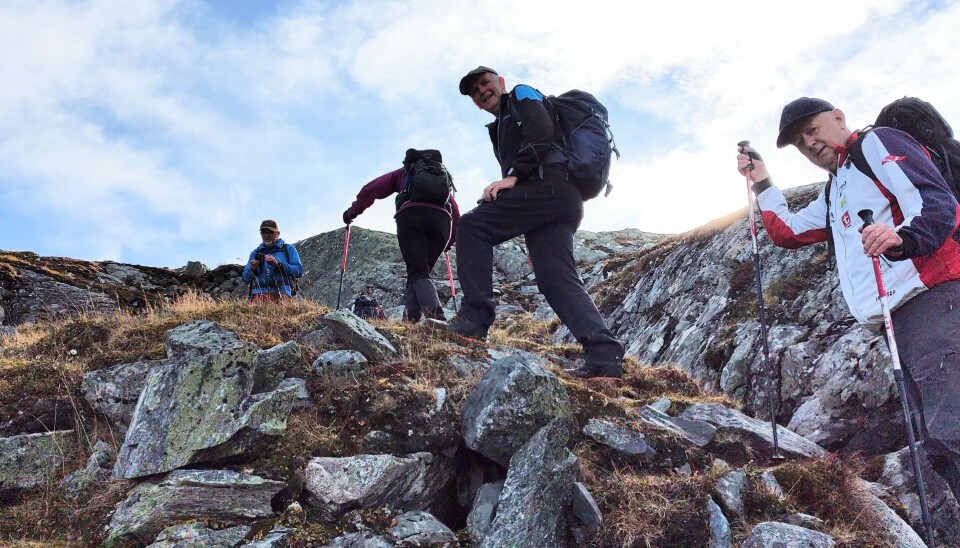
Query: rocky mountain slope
{"points": [[139, 407]]}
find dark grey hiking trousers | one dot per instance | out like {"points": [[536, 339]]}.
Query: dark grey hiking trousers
{"points": [[547, 215], [927, 328]]}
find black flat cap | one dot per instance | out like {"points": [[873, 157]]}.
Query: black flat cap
{"points": [[465, 81], [797, 111]]}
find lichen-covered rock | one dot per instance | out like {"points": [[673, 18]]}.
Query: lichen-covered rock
{"points": [[769, 482], [536, 493], [28, 460], [898, 475], [483, 510], [340, 362], [41, 298], [891, 526], [275, 364], [418, 529], [697, 432], [220, 495], [197, 535], [772, 534], [113, 392], [199, 409], [359, 335], [759, 433], [201, 337], [729, 492], [720, 535], [516, 397], [619, 438], [336, 485]]}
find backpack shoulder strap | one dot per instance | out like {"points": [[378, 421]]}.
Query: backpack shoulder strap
{"points": [[855, 153]]}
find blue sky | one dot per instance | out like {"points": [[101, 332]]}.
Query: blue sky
{"points": [[161, 131]]}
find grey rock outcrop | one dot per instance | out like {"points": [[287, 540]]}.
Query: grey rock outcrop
{"points": [[772, 534], [891, 526], [200, 338], [29, 460], [359, 335], [224, 496], [197, 535], [200, 406], [278, 537], [540, 476], [619, 438], [755, 431], [275, 364], [360, 540], [334, 486], [516, 397], [420, 529], [897, 475], [41, 297]]}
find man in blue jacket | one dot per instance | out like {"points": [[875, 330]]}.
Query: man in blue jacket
{"points": [[272, 267], [532, 198]]}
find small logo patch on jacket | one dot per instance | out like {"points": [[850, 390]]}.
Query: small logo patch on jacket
{"points": [[845, 219], [892, 158]]}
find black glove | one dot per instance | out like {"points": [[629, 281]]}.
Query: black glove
{"points": [[347, 219]]}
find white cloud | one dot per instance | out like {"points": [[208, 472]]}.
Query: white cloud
{"points": [[170, 133]]}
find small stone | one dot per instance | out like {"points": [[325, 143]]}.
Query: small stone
{"points": [[720, 535], [729, 492], [585, 507], [805, 520]]}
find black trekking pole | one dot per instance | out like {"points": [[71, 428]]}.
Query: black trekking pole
{"points": [[867, 216], [343, 264], [763, 317]]}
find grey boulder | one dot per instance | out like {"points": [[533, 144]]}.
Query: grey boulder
{"points": [[201, 337], [515, 398], [219, 495], [340, 362], [898, 476], [201, 409], [536, 493], [359, 540], [97, 469], [418, 529], [359, 335], [113, 392], [772, 534], [337, 485], [273, 365], [720, 535], [619, 438], [28, 460], [729, 492], [697, 432], [483, 511]]}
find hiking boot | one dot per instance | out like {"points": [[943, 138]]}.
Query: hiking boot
{"points": [[461, 326], [435, 315], [606, 369]]}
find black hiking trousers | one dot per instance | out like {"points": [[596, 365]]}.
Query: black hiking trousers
{"points": [[927, 328], [422, 233], [547, 214]]}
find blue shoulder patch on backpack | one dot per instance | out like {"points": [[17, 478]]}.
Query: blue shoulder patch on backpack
{"points": [[526, 92]]}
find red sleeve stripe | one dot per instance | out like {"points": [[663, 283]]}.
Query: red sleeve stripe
{"points": [[783, 235]]}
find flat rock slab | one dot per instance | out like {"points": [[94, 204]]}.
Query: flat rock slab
{"points": [[200, 409], [278, 537], [337, 485], [359, 540], [536, 493], [757, 432], [28, 460], [772, 534], [219, 495], [584, 507], [197, 535], [421, 530], [515, 398], [896, 531], [619, 438], [359, 335], [697, 432]]}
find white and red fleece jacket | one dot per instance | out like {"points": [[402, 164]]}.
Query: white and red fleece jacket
{"points": [[910, 195]]}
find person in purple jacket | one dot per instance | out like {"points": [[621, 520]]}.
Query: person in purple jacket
{"points": [[426, 227]]}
